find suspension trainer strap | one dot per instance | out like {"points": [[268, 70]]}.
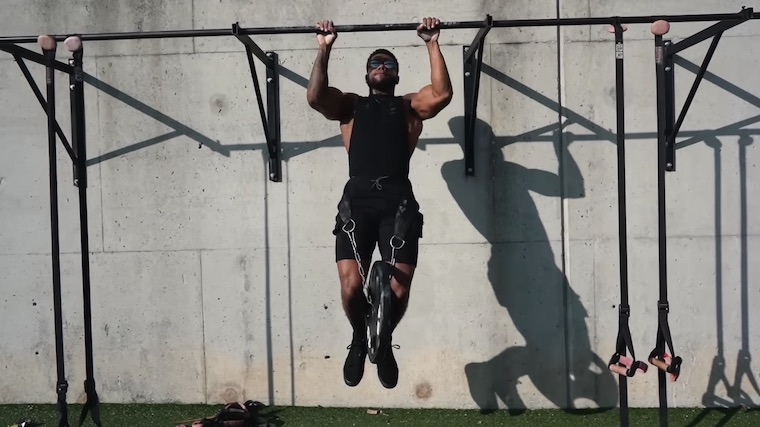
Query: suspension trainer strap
{"points": [[669, 363], [92, 404], [49, 51], [620, 363]]}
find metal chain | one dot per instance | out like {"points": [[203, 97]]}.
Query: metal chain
{"points": [[352, 239]]}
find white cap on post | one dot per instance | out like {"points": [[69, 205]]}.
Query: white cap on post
{"points": [[660, 27], [73, 43], [611, 28], [46, 42]]}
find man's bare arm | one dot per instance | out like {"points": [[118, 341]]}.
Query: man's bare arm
{"points": [[432, 98], [328, 100]]}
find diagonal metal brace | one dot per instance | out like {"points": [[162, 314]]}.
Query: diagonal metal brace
{"points": [[19, 54], [472, 68], [478, 41], [673, 126], [36, 57], [711, 31], [248, 42], [41, 99], [270, 119]]}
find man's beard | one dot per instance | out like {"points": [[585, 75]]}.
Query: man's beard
{"points": [[385, 85]]}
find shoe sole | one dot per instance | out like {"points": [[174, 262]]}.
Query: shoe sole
{"points": [[350, 383], [380, 314]]}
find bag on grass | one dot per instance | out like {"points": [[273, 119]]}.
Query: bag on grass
{"points": [[234, 415]]}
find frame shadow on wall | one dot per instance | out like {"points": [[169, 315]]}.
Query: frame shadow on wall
{"points": [[527, 281], [726, 396]]}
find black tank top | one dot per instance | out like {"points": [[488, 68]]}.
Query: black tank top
{"points": [[379, 139]]}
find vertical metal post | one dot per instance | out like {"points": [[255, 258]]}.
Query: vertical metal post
{"points": [[670, 108], [472, 67], [273, 119], [472, 56], [77, 120], [470, 81], [662, 77], [79, 143]]}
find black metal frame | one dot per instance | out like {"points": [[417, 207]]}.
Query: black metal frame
{"points": [[666, 97], [473, 59], [472, 62], [667, 132], [270, 120], [77, 151]]}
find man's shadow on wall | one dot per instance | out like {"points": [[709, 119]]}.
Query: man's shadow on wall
{"points": [[557, 356]]}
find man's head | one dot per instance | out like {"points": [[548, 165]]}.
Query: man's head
{"points": [[382, 71]]}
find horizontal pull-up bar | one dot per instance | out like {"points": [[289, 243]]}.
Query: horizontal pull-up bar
{"points": [[746, 13]]}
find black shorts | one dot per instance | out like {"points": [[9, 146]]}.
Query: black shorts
{"points": [[374, 216]]}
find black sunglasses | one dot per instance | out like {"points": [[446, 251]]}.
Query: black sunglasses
{"points": [[389, 64]]}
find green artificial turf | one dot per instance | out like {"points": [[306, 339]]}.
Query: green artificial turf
{"points": [[113, 415]]}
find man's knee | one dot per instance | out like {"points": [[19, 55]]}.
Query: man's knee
{"points": [[350, 277], [350, 284], [401, 280]]}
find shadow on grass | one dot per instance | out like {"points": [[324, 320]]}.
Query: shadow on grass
{"points": [[520, 411], [727, 413], [272, 418]]}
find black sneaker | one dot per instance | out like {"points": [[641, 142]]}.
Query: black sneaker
{"points": [[353, 368], [387, 369]]}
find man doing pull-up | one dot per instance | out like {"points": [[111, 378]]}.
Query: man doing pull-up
{"points": [[380, 132]]}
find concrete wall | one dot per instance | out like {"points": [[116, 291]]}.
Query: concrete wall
{"points": [[211, 283]]}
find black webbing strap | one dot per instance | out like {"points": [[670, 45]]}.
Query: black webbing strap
{"points": [[92, 404], [624, 345], [664, 338], [61, 385], [63, 409], [619, 363]]}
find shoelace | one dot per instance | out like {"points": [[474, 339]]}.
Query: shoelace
{"points": [[395, 346], [363, 343]]}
